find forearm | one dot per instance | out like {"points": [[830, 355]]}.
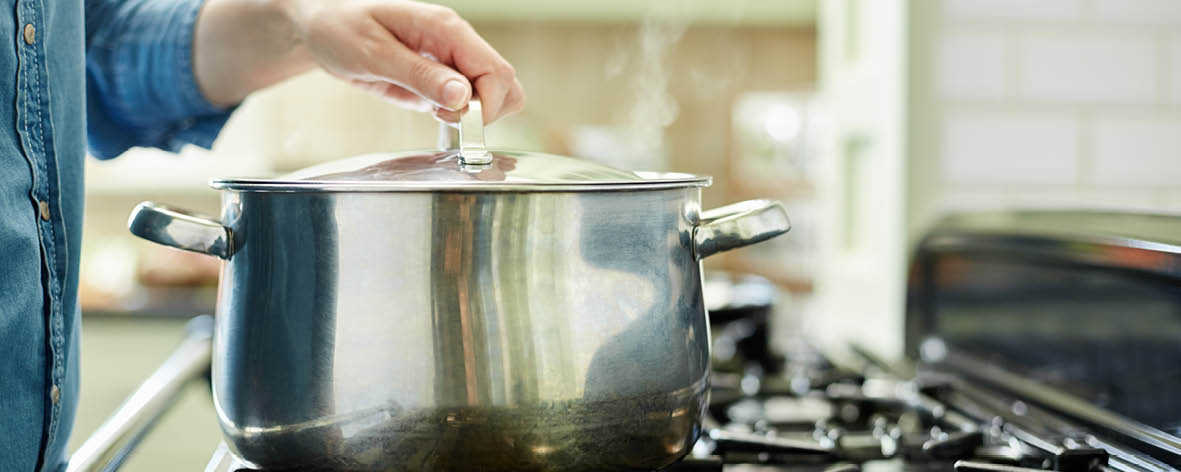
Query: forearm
{"points": [[240, 46]]}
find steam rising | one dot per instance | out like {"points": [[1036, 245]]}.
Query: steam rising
{"points": [[653, 108]]}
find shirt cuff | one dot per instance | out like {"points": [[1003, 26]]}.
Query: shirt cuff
{"points": [[140, 83]]}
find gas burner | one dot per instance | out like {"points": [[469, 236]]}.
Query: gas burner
{"points": [[879, 420]]}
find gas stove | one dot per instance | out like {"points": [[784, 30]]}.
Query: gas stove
{"points": [[1035, 341]]}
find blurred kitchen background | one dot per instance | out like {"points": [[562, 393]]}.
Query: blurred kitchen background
{"points": [[867, 118]]}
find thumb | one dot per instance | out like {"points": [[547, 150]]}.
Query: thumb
{"points": [[435, 82]]}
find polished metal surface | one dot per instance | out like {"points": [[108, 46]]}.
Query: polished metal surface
{"points": [[107, 448], [472, 151], [451, 331], [738, 225], [421, 311], [434, 170], [463, 163], [180, 229], [548, 331]]}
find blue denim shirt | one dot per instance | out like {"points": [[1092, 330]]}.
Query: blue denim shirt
{"points": [[117, 73]]}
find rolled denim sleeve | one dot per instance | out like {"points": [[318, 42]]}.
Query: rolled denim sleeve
{"points": [[139, 77]]}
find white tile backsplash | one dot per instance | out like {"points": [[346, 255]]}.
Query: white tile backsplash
{"points": [[1046, 103], [1170, 201], [1010, 10], [971, 67], [976, 199], [1076, 68], [1137, 152], [1009, 148], [1138, 12]]}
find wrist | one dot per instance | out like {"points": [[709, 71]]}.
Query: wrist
{"points": [[288, 17], [279, 19]]}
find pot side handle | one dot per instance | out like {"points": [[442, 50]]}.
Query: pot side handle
{"points": [[739, 224], [180, 229]]}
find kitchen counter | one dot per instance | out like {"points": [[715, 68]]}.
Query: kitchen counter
{"points": [[118, 353]]}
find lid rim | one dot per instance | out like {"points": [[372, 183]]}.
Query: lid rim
{"points": [[420, 171], [267, 185]]}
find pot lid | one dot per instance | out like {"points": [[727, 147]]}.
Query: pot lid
{"points": [[463, 163]]}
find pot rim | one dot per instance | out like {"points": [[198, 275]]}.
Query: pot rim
{"points": [[651, 181]]}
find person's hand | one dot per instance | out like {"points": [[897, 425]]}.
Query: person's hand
{"points": [[387, 47]]}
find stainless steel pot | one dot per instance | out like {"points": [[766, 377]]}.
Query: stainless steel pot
{"points": [[462, 309]]}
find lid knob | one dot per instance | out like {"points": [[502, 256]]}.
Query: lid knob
{"points": [[466, 136]]}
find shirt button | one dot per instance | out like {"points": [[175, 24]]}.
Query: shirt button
{"points": [[43, 208], [55, 393], [30, 34]]}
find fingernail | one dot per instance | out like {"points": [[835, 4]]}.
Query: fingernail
{"points": [[454, 94]]}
